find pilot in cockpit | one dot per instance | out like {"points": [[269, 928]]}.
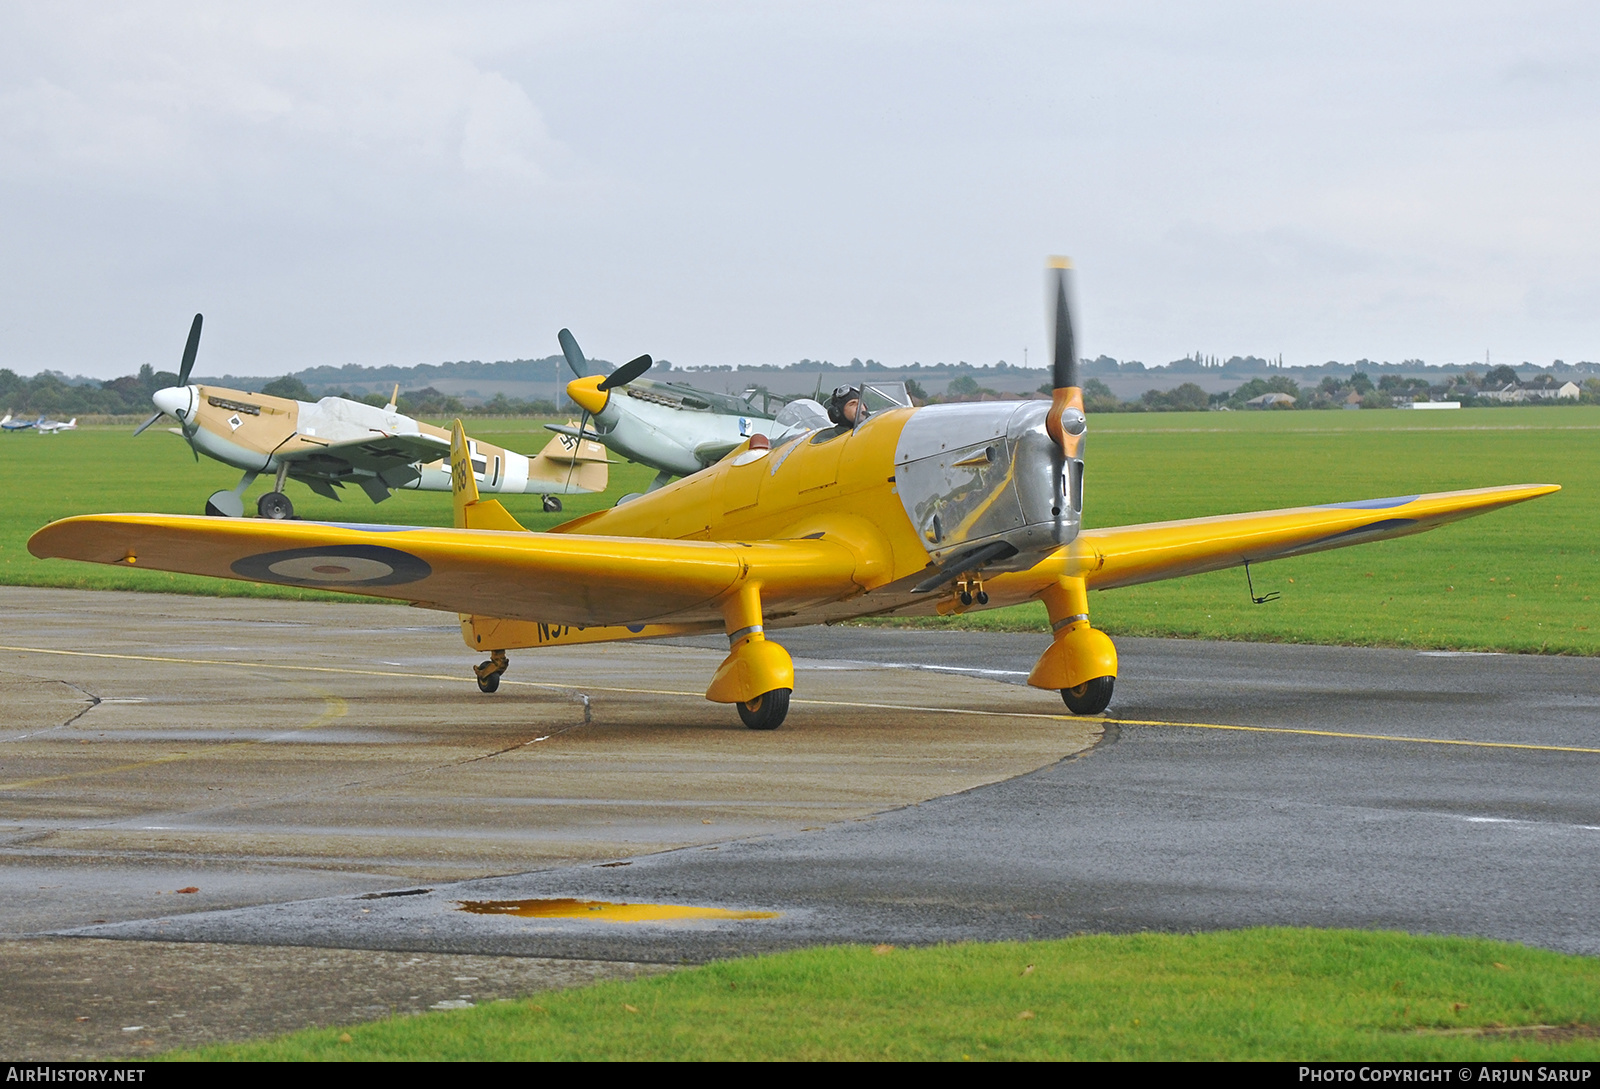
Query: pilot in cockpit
{"points": [[845, 407]]}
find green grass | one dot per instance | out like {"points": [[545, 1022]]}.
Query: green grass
{"points": [[1524, 579], [1278, 994], [102, 469]]}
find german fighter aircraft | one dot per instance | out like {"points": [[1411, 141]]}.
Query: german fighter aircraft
{"points": [[337, 441], [669, 426], [904, 511]]}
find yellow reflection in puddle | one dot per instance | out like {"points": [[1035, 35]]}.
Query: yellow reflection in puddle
{"points": [[605, 911]]}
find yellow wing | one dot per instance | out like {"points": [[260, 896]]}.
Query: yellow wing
{"points": [[1127, 555], [553, 578]]}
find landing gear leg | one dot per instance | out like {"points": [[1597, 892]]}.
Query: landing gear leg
{"points": [[756, 676], [489, 672], [1081, 662]]}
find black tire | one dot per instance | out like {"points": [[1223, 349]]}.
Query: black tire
{"points": [[552, 505], [766, 711], [488, 682], [275, 505], [1089, 698]]}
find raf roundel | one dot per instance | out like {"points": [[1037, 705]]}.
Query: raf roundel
{"points": [[336, 566]]}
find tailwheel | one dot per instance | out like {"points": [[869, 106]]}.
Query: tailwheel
{"points": [[552, 505], [766, 711], [1090, 697], [275, 505], [489, 672]]}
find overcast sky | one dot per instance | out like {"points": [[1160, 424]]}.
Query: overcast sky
{"points": [[757, 183]]}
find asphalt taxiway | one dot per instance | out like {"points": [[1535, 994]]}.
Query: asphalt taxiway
{"points": [[287, 759]]}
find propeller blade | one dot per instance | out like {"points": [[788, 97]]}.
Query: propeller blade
{"points": [[569, 348], [1065, 421], [1064, 358], [147, 423], [626, 373], [583, 425], [189, 351]]}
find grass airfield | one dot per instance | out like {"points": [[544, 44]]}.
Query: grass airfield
{"points": [[1523, 580], [1517, 580], [1267, 994]]}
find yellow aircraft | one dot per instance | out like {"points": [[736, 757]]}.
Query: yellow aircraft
{"points": [[336, 441], [904, 511]]}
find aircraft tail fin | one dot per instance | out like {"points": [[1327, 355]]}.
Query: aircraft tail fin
{"points": [[473, 512]]}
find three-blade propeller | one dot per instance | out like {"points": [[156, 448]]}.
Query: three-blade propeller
{"points": [[580, 391], [190, 350]]}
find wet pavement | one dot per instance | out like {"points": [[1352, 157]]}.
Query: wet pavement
{"points": [[918, 792]]}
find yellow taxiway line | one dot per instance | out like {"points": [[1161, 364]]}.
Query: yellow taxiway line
{"points": [[334, 709], [1342, 735], [1352, 736], [460, 679]]}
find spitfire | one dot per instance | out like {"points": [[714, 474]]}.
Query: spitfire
{"points": [[902, 511], [336, 441]]}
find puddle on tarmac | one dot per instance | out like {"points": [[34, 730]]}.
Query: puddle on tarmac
{"points": [[605, 911]]}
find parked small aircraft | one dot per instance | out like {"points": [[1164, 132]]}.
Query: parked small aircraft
{"points": [[905, 511], [51, 427], [337, 441], [670, 426], [9, 424]]}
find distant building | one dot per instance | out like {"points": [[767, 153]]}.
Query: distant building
{"points": [[1270, 400], [1428, 404], [1513, 393]]}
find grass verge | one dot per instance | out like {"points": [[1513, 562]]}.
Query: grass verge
{"points": [[1278, 994]]}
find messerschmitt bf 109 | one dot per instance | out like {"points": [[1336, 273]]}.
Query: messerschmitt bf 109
{"points": [[905, 511], [336, 441], [675, 428]]}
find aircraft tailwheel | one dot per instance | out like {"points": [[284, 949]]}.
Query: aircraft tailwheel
{"points": [[767, 711], [1090, 697], [552, 505], [488, 673], [275, 505]]}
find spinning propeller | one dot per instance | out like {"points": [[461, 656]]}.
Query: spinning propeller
{"points": [[190, 350], [1065, 422]]}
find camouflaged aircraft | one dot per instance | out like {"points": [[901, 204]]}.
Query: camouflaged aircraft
{"points": [[333, 442], [906, 511]]}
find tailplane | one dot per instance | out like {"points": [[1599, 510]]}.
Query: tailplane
{"points": [[473, 512]]}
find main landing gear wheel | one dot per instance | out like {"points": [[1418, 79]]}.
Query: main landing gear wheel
{"points": [[766, 711], [1090, 697], [275, 505]]}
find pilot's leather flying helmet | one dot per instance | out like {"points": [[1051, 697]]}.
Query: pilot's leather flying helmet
{"points": [[842, 396]]}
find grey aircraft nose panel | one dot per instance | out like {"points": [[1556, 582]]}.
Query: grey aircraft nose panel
{"points": [[973, 474]]}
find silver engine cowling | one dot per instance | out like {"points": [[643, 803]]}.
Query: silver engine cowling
{"points": [[986, 481]]}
